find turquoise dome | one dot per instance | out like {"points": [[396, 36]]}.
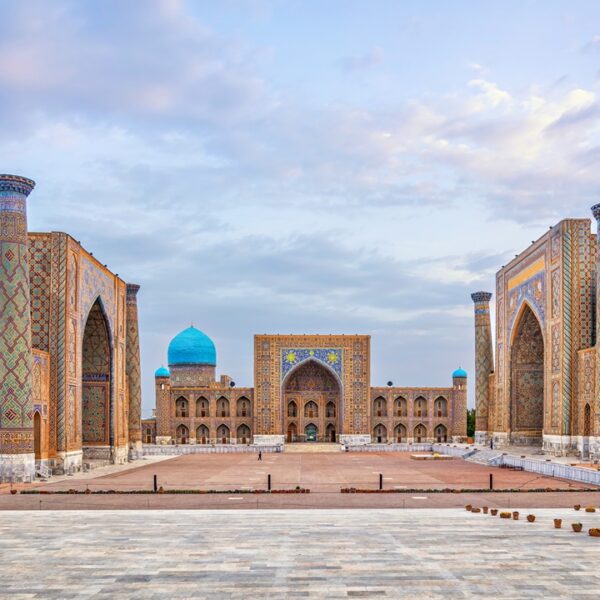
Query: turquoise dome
{"points": [[459, 373], [192, 347], [162, 372]]}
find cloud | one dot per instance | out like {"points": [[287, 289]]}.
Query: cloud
{"points": [[592, 46], [362, 62]]}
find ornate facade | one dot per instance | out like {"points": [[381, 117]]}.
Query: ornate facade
{"points": [[306, 388], [66, 394], [541, 387]]}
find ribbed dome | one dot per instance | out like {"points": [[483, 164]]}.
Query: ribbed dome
{"points": [[192, 347], [162, 372], [459, 373]]}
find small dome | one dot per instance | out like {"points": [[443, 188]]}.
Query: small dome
{"points": [[162, 372], [192, 347], [459, 373]]}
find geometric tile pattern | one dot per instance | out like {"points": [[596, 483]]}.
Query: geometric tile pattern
{"points": [[484, 358], [132, 364], [16, 401]]}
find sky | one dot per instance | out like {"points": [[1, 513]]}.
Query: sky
{"points": [[332, 166]]}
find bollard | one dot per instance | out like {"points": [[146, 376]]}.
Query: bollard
{"points": [[269, 482], [380, 481], [155, 484], [491, 481]]}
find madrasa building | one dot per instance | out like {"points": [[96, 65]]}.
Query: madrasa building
{"points": [[541, 385], [307, 388], [69, 351]]}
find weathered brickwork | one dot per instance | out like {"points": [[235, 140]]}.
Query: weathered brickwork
{"points": [[545, 372]]}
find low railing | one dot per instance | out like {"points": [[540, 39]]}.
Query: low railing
{"points": [[175, 449]]}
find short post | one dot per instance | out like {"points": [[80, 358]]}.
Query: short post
{"points": [[491, 481], [155, 484], [380, 481], [269, 482]]}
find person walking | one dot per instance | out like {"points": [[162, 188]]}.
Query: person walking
{"points": [[259, 455]]}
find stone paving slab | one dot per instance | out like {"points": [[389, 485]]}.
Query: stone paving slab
{"points": [[295, 554]]}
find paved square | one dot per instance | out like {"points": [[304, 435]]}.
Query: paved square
{"points": [[286, 554]]}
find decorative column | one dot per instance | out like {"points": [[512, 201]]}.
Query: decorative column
{"points": [[594, 440], [17, 459], [132, 369], [484, 363]]}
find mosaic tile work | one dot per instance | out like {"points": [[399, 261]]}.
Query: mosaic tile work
{"points": [[292, 357], [484, 358], [412, 554], [132, 367], [16, 401]]}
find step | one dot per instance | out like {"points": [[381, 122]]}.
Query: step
{"points": [[312, 448]]}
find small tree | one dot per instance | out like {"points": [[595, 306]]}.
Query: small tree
{"points": [[471, 422]]}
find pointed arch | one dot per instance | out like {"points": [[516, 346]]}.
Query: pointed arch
{"points": [[97, 401], [527, 378]]}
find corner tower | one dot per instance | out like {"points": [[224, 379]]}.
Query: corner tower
{"points": [[17, 460], [484, 363], [132, 368]]}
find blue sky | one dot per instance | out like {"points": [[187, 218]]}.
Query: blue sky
{"points": [[305, 167]]}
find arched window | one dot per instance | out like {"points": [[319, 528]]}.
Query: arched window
{"points": [[441, 433], [292, 409], [400, 407], [202, 407], [420, 407], [420, 433], [380, 434], [243, 407], [330, 410], [311, 410], [202, 435], [243, 434], [181, 407], [440, 407], [379, 407], [222, 407], [183, 434], [400, 433], [223, 434]]}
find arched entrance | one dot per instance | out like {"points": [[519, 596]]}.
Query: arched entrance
{"points": [[292, 431], [311, 432], [441, 433], [527, 380], [380, 434], [330, 432], [202, 435], [243, 434], [400, 433], [311, 397], [96, 394], [223, 434], [37, 435], [420, 434], [183, 434]]}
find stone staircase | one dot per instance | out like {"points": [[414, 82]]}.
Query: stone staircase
{"points": [[484, 456], [312, 448]]}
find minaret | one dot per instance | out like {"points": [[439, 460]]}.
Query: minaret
{"points": [[595, 437], [484, 363], [17, 459], [132, 368]]}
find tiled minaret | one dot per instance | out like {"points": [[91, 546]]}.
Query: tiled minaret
{"points": [[132, 368], [595, 438], [484, 363], [17, 460]]}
